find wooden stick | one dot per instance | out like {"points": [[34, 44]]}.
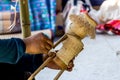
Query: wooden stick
{"points": [[42, 66], [58, 75], [60, 40]]}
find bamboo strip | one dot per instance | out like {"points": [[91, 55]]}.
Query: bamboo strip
{"points": [[58, 75], [24, 17]]}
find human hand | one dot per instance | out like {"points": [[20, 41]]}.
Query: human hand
{"points": [[53, 65], [38, 43]]}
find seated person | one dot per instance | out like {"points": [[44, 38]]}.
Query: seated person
{"points": [[18, 56]]}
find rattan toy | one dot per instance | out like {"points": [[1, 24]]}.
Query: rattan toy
{"points": [[81, 26]]}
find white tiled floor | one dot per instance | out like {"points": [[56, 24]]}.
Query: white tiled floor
{"points": [[98, 61]]}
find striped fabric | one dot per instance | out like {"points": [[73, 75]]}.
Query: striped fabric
{"points": [[6, 20], [41, 13]]}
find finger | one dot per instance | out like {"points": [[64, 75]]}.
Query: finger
{"points": [[69, 69], [44, 51], [49, 41], [43, 48], [70, 65], [46, 45]]}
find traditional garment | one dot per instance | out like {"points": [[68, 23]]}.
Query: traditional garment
{"points": [[14, 62], [11, 50]]}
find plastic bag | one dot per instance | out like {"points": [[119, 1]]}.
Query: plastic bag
{"points": [[112, 27], [109, 10]]}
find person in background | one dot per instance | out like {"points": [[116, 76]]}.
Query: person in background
{"points": [[18, 56]]}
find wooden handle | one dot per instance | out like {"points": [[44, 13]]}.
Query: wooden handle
{"points": [[41, 67], [59, 74], [60, 40]]}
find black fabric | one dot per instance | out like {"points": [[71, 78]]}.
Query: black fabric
{"points": [[10, 72], [28, 63]]}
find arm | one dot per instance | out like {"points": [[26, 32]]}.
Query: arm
{"points": [[11, 50]]}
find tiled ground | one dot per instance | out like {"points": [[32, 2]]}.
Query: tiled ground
{"points": [[98, 61]]}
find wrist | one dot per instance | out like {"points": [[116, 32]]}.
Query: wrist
{"points": [[26, 41]]}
